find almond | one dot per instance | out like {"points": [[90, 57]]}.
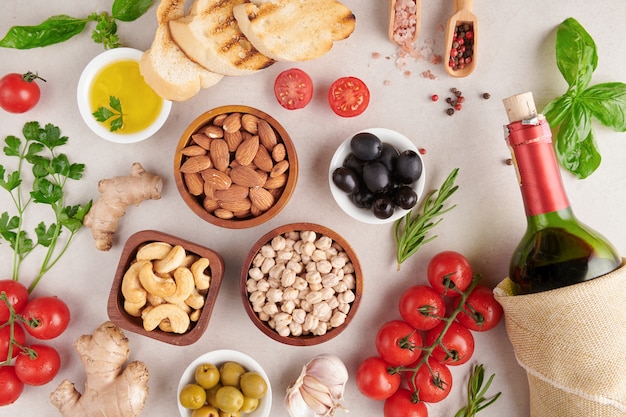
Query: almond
{"points": [[193, 150], [201, 140], [209, 191], [249, 123], [236, 205], [267, 136], [279, 152], [280, 168], [263, 160], [233, 193], [246, 176], [220, 155], [213, 132], [216, 179], [232, 122], [210, 204], [233, 140], [276, 182], [194, 183], [195, 164], [223, 213], [219, 119], [247, 150], [261, 198]]}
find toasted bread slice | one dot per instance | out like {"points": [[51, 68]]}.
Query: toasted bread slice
{"points": [[294, 30], [166, 68], [210, 36]]}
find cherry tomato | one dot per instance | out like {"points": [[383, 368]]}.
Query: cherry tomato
{"points": [[449, 273], [431, 385], [348, 96], [38, 367], [19, 92], [19, 337], [17, 295], [11, 385], [422, 307], [398, 343], [481, 311], [47, 317], [374, 381], [457, 344], [293, 89], [404, 404]]}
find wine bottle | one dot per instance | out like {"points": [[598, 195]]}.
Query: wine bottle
{"points": [[556, 250]]}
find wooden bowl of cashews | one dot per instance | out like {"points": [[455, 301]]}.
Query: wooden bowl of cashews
{"points": [[165, 287], [301, 284]]}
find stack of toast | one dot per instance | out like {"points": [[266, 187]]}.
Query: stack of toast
{"points": [[218, 38]]}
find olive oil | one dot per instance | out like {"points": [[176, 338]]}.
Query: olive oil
{"points": [[140, 104]]}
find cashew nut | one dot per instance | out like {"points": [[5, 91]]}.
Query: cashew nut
{"points": [[179, 320], [131, 286], [202, 280], [134, 309], [184, 286], [171, 261], [162, 287], [153, 250], [195, 300]]}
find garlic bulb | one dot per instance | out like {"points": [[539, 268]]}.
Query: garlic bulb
{"points": [[318, 391]]}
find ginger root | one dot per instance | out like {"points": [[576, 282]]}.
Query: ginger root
{"points": [[116, 194], [108, 391]]}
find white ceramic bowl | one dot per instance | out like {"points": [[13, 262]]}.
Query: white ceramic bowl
{"points": [[84, 86], [392, 137], [217, 358]]}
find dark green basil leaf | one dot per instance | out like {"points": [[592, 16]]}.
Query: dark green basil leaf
{"points": [[55, 29], [576, 55], [574, 143], [607, 103], [129, 10], [556, 110]]}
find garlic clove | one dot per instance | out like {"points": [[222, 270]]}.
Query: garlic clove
{"points": [[330, 371], [313, 384], [295, 404], [320, 403]]}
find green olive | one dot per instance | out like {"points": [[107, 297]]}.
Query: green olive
{"points": [[253, 385], [207, 375], [249, 404], [230, 372], [210, 394], [229, 398], [192, 396], [230, 413], [205, 411]]}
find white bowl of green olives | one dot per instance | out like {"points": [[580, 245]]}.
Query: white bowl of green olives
{"points": [[377, 175], [224, 380]]}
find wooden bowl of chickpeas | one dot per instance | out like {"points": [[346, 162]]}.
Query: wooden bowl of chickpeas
{"points": [[301, 284]]}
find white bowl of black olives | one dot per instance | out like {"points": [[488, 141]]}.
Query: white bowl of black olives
{"points": [[377, 175]]}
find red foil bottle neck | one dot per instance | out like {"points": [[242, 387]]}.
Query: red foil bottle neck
{"points": [[538, 171]]}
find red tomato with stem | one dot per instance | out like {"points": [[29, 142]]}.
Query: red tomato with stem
{"points": [[11, 385], [46, 317], [348, 96], [457, 344], [432, 381], [37, 364], [293, 89], [398, 343], [404, 404], [422, 307], [375, 381], [450, 273], [19, 339], [481, 311], [17, 295], [19, 92]]}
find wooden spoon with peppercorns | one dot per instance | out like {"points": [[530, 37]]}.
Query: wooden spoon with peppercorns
{"points": [[461, 40]]}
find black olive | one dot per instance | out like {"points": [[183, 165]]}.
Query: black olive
{"points": [[405, 197], [408, 167], [376, 177], [366, 146], [388, 156], [353, 162], [383, 207], [363, 198], [346, 179]]}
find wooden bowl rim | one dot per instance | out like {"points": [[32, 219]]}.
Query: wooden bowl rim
{"points": [[308, 340], [283, 137], [115, 307]]}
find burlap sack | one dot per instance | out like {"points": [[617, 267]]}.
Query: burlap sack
{"points": [[572, 343]]}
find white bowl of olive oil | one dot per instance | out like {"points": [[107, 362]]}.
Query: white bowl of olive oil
{"points": [[114, 100]]}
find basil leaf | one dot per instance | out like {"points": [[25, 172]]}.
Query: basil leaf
{"points": [[576, 55], [607, 103], [574, 144], [55, 29], [129, 10], [556, 110]]}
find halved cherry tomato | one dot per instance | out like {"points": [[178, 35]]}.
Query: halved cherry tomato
{"points": [[450, 273], [404, 404], [348, 96], [19, 92], [481, 311], [422, 307], [293, 89], [398, 343], [37, 365], [457, 344], [432, 381], [375, 381]]}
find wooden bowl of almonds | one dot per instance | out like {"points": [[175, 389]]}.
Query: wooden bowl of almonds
{"points": [[301, 284], [165, 287], [235, 167]]}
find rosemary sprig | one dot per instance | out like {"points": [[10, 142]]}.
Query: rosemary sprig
{"points": [[414, 234], [105, 113], [476, 400]]}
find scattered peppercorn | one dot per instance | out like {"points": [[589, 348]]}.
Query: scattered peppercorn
{"points": [[450, 111], [453, 90], [434, 97], [486, 96], [509, 161], [422, 151], [458, 106]]}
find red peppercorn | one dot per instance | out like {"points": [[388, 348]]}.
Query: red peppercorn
{"points": [[460, 99], [458, 106], [434, 97], [422, 151], [469, 34]]}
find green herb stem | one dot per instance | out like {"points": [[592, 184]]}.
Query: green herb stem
{"points": [[476, 392]]}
